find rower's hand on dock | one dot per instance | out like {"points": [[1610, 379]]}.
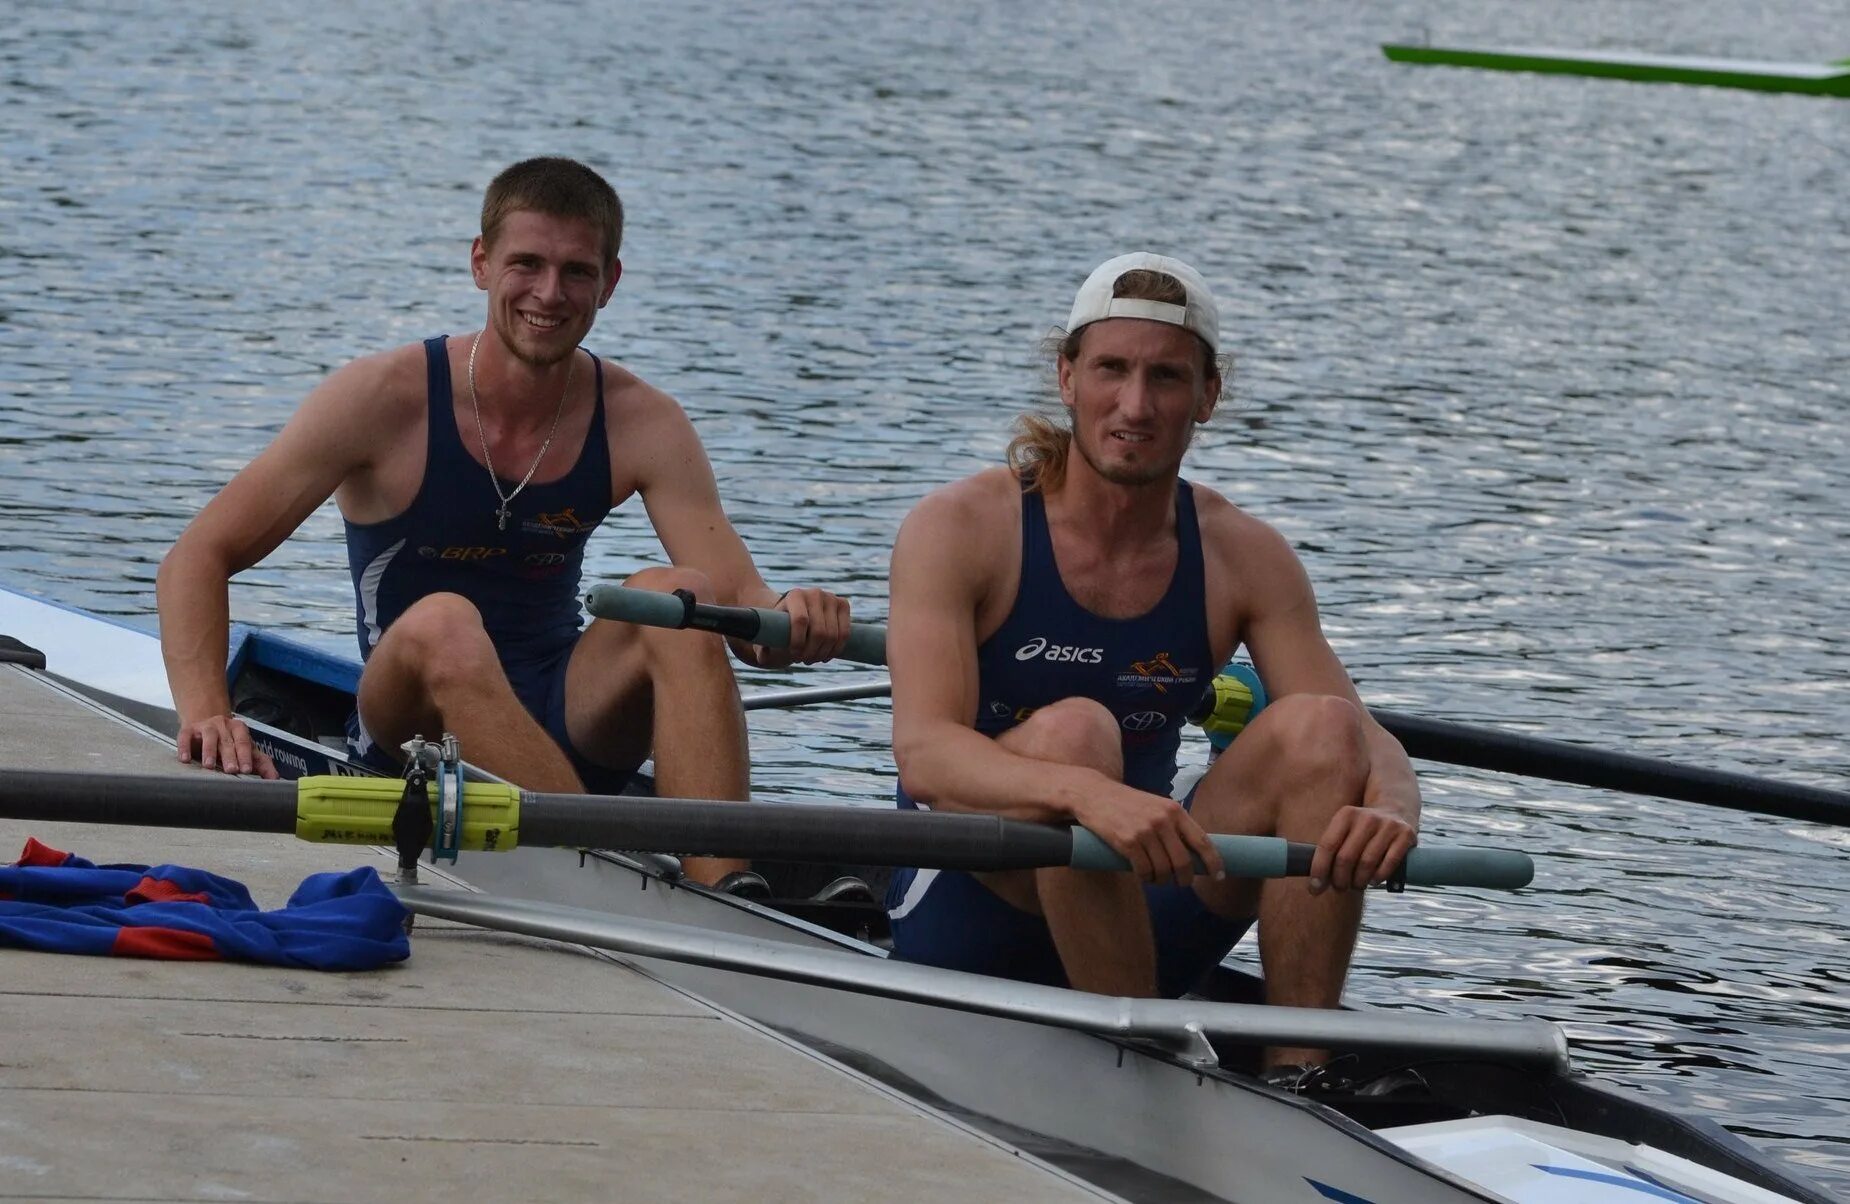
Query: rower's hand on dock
{"points": [[1361, 847], [819, 626], [1153, 832], [223, 743]]}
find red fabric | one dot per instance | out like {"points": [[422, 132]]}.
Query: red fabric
{"points": [[159, 890], [170, 943], [38, 853]]}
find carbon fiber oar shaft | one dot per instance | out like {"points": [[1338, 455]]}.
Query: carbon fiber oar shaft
{"points": [[216, 802], [362, 810], [1558, 761], [783, 832]]}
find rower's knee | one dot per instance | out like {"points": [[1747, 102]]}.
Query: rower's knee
{"points": [[1072, 731], [667, 578], [443, 636], [1316, 737], [680, 649]]}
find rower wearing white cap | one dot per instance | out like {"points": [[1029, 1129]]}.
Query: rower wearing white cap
{"points": [[1052, 623]]}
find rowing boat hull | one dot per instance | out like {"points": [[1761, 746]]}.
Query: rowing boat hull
{"points": [[1127, 1114], [1127, 1101]]}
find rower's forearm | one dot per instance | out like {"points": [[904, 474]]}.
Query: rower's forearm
{"points": [[754, 593], [747, 591], [195, 614], [960, 769], [759, 595], [1392, 785], [740, 584]]}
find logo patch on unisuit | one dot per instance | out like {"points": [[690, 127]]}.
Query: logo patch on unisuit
{"points": [[1039, 649], [1144, 721], [538, 566], [479, 552], [564, 524], [1159, 673]]}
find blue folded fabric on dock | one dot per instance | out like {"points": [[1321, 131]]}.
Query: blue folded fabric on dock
{"points": [[58, 902]]}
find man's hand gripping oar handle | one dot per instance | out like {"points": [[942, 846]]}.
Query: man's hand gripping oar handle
{"points": [[1274, 857], [753, 624]]}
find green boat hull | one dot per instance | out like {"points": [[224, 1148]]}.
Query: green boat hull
{"points": [[1830, 79]]}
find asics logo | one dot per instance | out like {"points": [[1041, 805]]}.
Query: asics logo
{"points": [[1038, 647]]}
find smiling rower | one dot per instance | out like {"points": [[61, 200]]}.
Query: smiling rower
{"points": [[1053, 622], [470, 471]]}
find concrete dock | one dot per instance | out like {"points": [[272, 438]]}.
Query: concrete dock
{"points": [[486, 1068]]}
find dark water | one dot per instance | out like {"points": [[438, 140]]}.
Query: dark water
{"points": [[1546, 378]]}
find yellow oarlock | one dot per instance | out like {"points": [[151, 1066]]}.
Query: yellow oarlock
{"points": [[336, 809]]}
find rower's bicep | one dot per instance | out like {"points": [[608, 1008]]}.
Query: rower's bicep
{"points": [[931, 633], [331, 436], [681, 495], [1284, 632]]}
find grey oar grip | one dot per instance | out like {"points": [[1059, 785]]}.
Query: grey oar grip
{"points": [[648, 607], [866, 641], [1274, 857], [1503, 869]]}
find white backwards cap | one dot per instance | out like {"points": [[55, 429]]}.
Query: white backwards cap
{"points": [[1095, 302]]}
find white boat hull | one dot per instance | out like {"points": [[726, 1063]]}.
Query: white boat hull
{"points": [[1142, 1107], [1151, 1111]]}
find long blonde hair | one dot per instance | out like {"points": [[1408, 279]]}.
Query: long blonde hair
{"points": [[1037, 453]]}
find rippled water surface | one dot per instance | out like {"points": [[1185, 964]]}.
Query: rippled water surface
{"points": [[1546, 378]]}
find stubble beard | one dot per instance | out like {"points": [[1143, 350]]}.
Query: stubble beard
{"points": [[1126, 474], [519, 351]]}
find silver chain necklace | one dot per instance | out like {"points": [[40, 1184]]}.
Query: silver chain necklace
{"points": [[493, 479]]}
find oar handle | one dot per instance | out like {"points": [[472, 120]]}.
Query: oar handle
{"points": [[1274, 857], [1464, 865], [754, 624]]}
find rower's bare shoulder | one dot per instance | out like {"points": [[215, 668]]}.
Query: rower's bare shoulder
{"points": [[1223, 523], [1242, 547], [960, 536], [631, 401], [972, 509], [652, 441]]}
